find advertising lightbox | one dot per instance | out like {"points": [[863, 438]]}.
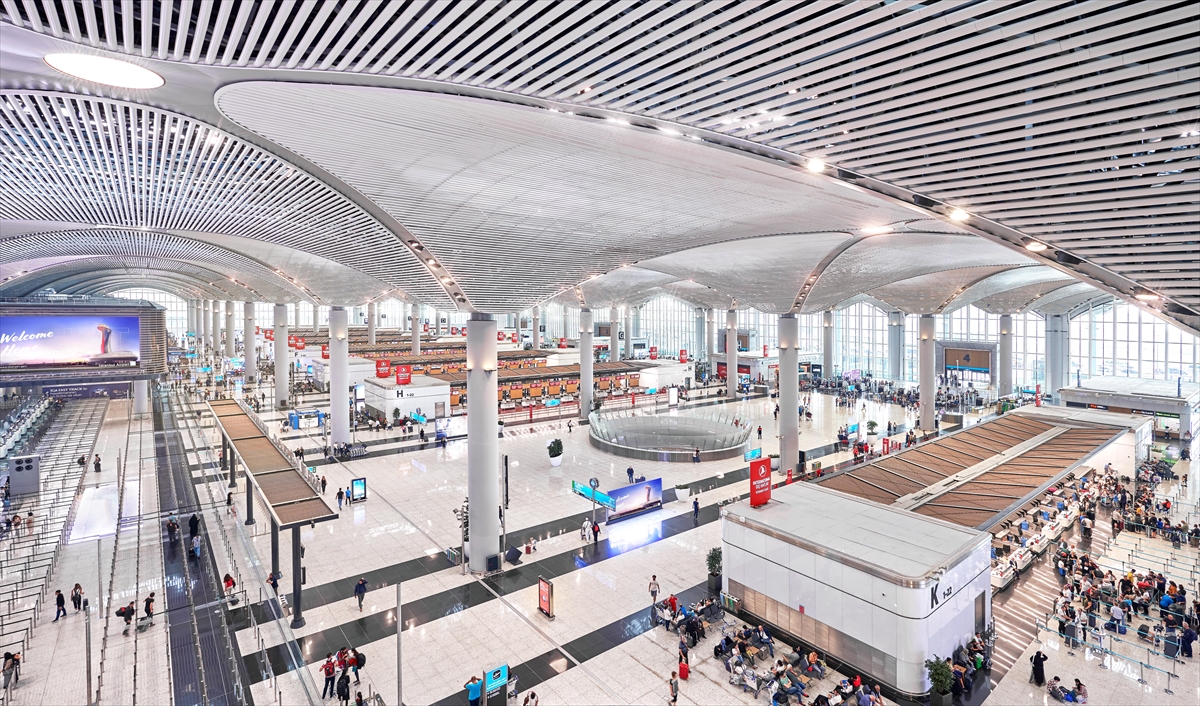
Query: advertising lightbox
{"points": [[57, 341], [631, 499]]}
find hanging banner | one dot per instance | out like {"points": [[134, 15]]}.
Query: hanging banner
{"points": [[453, 330], [764, 350], [499, 335], [1037, 395], [425, 327], [403, 374], [653, 352], [300, 343], [887, 445], [291, 341], [383, 368], [513, 337], [760, 482], [325, 352], [682, 355], [562, 343]]}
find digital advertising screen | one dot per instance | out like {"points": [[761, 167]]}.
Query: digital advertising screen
{"points": [[632, 499], [585, 491], [98, 340], [358, 490], [973, 360]]}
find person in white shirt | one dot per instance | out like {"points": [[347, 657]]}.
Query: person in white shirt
{"points": [[1118, 615]]}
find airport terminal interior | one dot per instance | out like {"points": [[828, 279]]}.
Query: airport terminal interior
{"points": [[518, 352]]}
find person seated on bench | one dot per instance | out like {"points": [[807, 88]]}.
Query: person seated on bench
{"points": [[812, 664], [763, 638]]}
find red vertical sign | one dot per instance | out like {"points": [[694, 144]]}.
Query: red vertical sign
{"points": [[764, 350], [324, 352], [300, 343], [886, 444], [760, 482], [1037, 396], [383, 368], [653, 352], [291, 341], [682, 355], [403, 374]]}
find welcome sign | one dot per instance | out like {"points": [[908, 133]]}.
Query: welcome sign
{"points": [[55, 341]]}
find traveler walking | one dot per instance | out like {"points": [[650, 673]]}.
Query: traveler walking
{"points": [[128, 613], [196, 547], [330, 672], [595, 533], [653, 590], [760, 433], [673, 686], [149, 607], [60, 606], [696, 455], [323, 483], [77, 597], [584, 529], [96, 463], [340, 496], [695, 508], [629, 472], [360, 592], [193, 526]]}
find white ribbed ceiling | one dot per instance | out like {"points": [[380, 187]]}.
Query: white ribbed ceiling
{"points": [[1074, 122], [65, 158]]}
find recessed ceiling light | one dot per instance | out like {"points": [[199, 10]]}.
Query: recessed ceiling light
{"points": [[816, 165], [959, 215], [101, 69], [877, 230], [1035, 246], [1146, 297]]}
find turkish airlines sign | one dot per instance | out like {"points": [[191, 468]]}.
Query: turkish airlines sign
{"points": [[403, 374], [383, 368], [682, 355], [760, 482]]}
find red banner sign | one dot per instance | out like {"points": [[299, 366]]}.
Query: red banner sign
{"points": [[269, 334], [300, 343], [403, 374], [499, 335], [453, 330], [760, 482], [383, 368], [1037, 395], [653, 352], [764, 350], [562, 343], [256, 331], [513, 337], [682, 355], [887, 445], [291, 341], [425, 327], [324, 352]]}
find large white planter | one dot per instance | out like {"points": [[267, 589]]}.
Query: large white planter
{"points": [[556, 461], [775, 464], [872, 439]]}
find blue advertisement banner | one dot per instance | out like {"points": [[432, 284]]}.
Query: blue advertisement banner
{"points": [[632, 499], [62, 341]]}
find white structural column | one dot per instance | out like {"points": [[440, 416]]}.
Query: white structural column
{"points": [[205, 335], [249, 341], [927, 372], [614, 334], [537, 328], [371, 316], [339, 375], [710, 341], [731, 354], [586, 357], [896, 345], [230, 342], [789, 391], [698, 348], [216, 329], [1058, 330], [417, 325], [628, 329], [406, 314], [483, 444], [827, 332], [141, 397], [191, 313], [316, 319], [282, 359], [1004, 366]]}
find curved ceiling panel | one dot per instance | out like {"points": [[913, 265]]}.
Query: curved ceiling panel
{"points": [[765, 273], [1068, 299], [261, 282], [101, 162], [885, 259], [1004, 281], [518, 203], [928, 294], [1018, 299], [82, 275]]}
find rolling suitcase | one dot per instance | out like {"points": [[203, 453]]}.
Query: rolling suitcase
{"points": [[683, 670]]}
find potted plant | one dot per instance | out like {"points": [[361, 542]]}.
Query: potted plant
{"points": [[555, 449], [713, 558], [774, 461], [940, 681], [395, 415], [872, 433]]}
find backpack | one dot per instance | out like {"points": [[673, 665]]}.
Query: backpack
{"points": [[121, 611], [362, 660], [328, 669]]}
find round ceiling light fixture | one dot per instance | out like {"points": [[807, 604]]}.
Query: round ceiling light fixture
{"points": [[816, 165], [959, 215], [1034, 245], [101, 69]]}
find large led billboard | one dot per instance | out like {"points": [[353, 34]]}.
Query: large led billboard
{"points": [[98, 340], [977, 361], [632, 499]]}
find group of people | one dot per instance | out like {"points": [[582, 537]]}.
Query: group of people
{"points": [[347, 661], [965, 663], [1054, 687]]}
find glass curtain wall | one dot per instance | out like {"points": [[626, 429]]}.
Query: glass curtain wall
{"points": [[864, 339], [177, 318], [1120, 339], [976, 325]]}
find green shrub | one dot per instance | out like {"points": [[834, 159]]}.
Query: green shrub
{"points": [[714, 561], [555, 448]]}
